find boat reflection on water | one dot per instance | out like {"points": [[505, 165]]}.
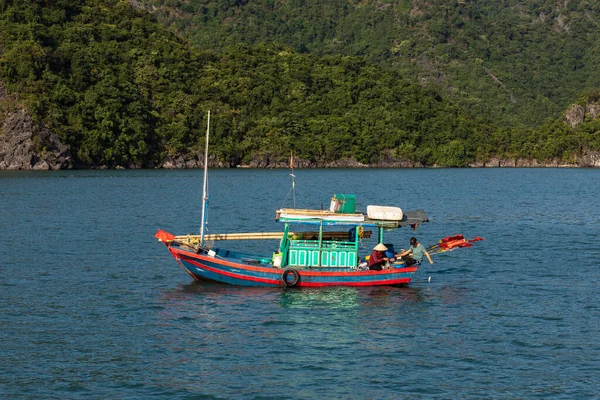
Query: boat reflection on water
{"points": [[349, 297], [333, 297], [328, 297]]}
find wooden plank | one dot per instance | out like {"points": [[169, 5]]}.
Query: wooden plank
{"points": [[316, 213], [233, 236], [305, 211], [329, 235], [267, 236]]}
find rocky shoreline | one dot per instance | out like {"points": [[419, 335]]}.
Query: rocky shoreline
{"points": [[35, 162], [591, 160], [24, 144], [34, 149]]}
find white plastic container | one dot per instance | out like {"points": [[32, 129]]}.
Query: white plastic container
{"points": [[335, 205], [385, 213], [277, 259]]}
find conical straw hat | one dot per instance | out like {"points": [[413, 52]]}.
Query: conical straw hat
{"points": [[380, 247]]}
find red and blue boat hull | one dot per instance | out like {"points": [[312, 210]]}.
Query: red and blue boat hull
{"points": [[221, 269]]}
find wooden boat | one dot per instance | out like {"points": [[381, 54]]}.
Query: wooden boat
{"points": [[327, 254]]}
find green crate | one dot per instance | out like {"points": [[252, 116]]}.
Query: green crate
{"points": [[347, 203]]}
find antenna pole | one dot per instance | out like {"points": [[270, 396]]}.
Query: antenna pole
{"points": [[293, 177]]}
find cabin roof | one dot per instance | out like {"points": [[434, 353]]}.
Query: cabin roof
{"points": [[330, 218]]}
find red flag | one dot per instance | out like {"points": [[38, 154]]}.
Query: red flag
{"points": [[450, 243], [164, 236], [452, 238]]}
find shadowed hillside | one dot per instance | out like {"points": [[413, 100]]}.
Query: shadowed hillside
{"points": [[121, 90], [516, 62]]}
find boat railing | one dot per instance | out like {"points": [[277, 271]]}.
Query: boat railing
{"points": [[325, 253], [325, 244]]}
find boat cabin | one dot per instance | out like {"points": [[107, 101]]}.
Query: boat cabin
{"points": [[336, 233]]}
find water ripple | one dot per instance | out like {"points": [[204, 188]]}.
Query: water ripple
{"points": [[92, 307]]}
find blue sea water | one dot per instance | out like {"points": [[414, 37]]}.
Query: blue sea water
{"points": [[92, 306]]}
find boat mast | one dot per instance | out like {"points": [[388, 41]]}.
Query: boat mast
{"points": [[205, 186]]}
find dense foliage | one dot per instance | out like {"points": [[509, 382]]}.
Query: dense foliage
{"points": [[120, 89], [103, 75], [517, 62]]}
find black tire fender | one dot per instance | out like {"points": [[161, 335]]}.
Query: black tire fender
{"points": [[295, 277]]}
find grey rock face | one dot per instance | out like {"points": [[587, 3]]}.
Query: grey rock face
{"points": [[25, 145]]}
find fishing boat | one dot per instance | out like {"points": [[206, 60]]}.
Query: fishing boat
{"points": [[316, 247], [326, 254]]}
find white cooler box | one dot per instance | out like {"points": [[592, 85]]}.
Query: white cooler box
{"points": [[384, 213]]}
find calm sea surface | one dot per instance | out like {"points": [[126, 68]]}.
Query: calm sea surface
{"points": [[92, 306]]}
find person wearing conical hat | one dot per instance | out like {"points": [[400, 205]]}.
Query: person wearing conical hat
{"points": [[378, 260]]}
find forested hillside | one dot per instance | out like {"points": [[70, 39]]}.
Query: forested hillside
{"points": [[120, 89], [517, 62]]}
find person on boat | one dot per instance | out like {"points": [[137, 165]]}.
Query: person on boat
{"points": [[377, 259], [415, 253]]}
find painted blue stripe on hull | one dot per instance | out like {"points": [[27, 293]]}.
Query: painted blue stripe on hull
{"points": [[243, 275], [219, 273], [356, 280]]}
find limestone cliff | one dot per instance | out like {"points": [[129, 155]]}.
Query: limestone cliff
{"points": [[25, 145], [577, 113]]}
